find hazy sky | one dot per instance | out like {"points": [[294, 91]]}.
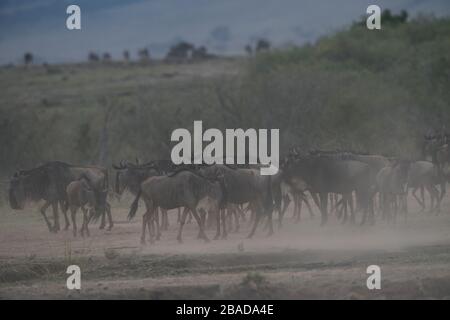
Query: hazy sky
{"points": [[223, 25]]}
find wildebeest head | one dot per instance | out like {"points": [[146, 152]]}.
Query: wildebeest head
{"points": [[129, 176], [17, 194]]}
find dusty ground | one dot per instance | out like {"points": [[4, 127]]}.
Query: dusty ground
{"points": [[301, 261]]}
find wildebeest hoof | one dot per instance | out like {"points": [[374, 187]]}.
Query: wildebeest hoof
{"points": [[217, 237], [206, 239]]}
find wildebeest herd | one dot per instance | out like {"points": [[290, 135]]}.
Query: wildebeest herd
{"points": [[340, 183]]}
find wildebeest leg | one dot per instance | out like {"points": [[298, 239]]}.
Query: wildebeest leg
{"points": [[295, 199], [224, 225], [110, 220], [352, 209], [86, 218], [83, 209], [229, 218], [144, 226], [199, 222], [269, 213], [202, 214], [323, 208], [405, 205], [396, 197], [56, 216], [330, 201], [443, 185], [166, 220], [151, 224], [422, 205], [435, 196], [342, 210], [66, 218], [189, 217], [255, 222], [182, 222], [251, 207], [220, 212], [340, 206], [241, 212], [161, 222], [210, 221], [73, 211], [422, 196], [43, 209], [236, 220], [311, 212], [178, 215], [103, 221], [286, 201], [299, 201], [155, 216]]}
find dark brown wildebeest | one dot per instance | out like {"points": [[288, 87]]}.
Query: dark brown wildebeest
{"points": [[181, 189], [391, 183], [294, 192], [48, 182], [246, 186], [129, 176], [324, 174], [79, 195]]}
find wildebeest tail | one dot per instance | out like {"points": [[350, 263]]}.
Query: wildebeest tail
{"points": [[134, 206]]}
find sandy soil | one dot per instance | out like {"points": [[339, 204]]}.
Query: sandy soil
{"points": [[300, 261]]}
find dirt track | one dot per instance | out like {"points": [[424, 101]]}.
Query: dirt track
{"points": [[300, 261]]}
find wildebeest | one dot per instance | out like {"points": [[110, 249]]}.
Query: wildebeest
{"points": [[129, 176], [48, 182], [391, 183], [79, 195], [327, 174], [246, 186], [182, 189]]}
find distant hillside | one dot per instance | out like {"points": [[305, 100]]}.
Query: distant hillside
{"points": [[224, 26], [358, 89]]}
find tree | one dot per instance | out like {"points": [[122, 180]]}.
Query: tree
{"points": [[28, 58], [201, 53], [144, 55], [93, 57], [106, 57], [262, 45], [386, 18], [180, 51], [126, 56], [249, 49]]}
